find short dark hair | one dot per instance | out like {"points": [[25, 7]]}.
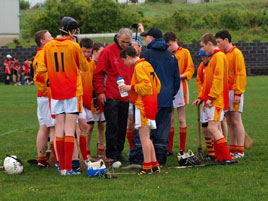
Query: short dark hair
{"points": [[97, 46], [87, 43], [208, 37], [224, 34], [39, 35], [128, 51], [170, 36]]}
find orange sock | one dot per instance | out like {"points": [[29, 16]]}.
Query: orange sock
{"points": [[183, 134], [223, 149], [83, 146], [232, 148], [210, 146], [42, 160], [130, 133], [60, 151], [68, 151], [218, 155], [170, 139], [155, 164], [147, 166], [53, 151], [240, 149]]}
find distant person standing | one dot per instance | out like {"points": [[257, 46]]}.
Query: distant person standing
{"points": [[109, 68], [7, 66], [237, 85], [165, 65]]}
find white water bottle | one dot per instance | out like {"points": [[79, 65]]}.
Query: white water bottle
{"points": [[120, 82]]}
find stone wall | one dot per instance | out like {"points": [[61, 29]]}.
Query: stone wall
{"points": [[255, 53]]}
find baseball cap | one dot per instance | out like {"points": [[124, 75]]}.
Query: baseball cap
{"points": [[9, 56], [154, 32]]}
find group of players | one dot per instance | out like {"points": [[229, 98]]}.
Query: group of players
{"points": [[64, 78], [15, 72]]}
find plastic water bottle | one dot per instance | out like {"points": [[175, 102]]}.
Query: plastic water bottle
{"points": [[121, 81]]}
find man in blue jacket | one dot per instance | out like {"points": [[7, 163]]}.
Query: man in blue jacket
{"points": [[165, 65]]}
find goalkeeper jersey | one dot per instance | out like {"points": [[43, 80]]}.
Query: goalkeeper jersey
{"points": [[145, 86]]}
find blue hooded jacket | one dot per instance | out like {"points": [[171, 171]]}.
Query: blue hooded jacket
{"points": [[165, 65]]}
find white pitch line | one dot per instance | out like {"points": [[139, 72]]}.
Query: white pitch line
{"points": [[15, 130]]}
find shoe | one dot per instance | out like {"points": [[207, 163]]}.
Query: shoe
{"points": [[132, 166], [238, 156], [144, 172], [41, 165], [156, 170], [209, 157], [57, 165], [181, 152], [169, 153], [229, 162], [69, 173]]}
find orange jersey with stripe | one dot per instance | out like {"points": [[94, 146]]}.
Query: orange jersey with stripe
{"points": [[237, 70], [40, 79], [63, 61], [200, 79], [145, 87], [215, 85], [87, 82], [186, 66]]}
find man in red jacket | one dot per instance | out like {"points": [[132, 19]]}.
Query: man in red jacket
{"points": [[109, 68]]}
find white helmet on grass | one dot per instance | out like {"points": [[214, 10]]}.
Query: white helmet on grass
{"points": [[12, 165]]}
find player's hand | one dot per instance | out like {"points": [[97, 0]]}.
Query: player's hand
{"points": [[124, 88], [140, 28], [101, 98], [183, 76], [197, 102], [208, 103], [237, 99]]}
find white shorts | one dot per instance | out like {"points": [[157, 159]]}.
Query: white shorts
{"points": [[72, 105], [235, 107], [203, 118], [130, 108], [141, 121], [179, 97], [89, 117], [43, 112], [213, 113]]}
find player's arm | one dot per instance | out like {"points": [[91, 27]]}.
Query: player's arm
{"points": [[189, 71], [199, 81], [240, 74], [143, 86], [217, 83]]}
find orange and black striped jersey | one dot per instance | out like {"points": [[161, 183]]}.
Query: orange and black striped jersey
{"points": [[63, 60], [185, 62], [145, 86], [40, 79], [215, 85], [200, 76], [237, 70]]}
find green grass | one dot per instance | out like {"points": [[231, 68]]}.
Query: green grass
{"points": [[244, 181]]}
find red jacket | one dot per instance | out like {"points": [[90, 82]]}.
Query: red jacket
{"points": [[109, 68]]}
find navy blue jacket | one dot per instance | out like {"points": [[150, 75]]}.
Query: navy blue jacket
{"points": [[165, 65]]}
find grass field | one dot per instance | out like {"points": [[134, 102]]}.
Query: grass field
{"points": [[245, 181]]}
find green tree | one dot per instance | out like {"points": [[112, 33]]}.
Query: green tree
{"points": [[24, 5]]}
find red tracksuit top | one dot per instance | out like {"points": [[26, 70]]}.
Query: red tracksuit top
{"points": [[109, 67]]}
